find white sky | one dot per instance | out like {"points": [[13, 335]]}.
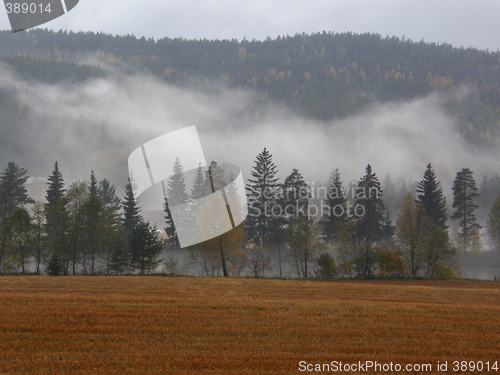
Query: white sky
{"points": [[459, 22]]}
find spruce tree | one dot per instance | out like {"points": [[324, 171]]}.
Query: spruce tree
{"points": [[292, 198], [362, 235], [56, 189], [176, 191], [464, 194], [369, 207], [131, 211], [13, 195], [145, 247], [57, 219], [294, 194], [94, 224], [334, 220], [262, 200], [176, 195], [93, 188], [54, 267], [107, 192], [199, 189], [430, 197]]}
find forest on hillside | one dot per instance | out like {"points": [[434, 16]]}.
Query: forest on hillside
{"points": [[323, 76]]}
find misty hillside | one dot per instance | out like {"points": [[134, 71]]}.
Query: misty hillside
{"points": [[323, 76]]}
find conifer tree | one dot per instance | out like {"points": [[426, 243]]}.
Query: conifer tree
{"points": [[13, 195], [430, 197], [56, 189], [176, 191], [362, 236], [145, 247], [57, 220], [369, 225], [107, 192], [94, 224], [93, 184], [176, 195], [131, 210], [262, 200], [334, 220], [292, 198], [199, 189], [294, 194], [464, 193]]}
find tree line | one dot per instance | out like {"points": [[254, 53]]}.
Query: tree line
{"points": [[84, 229], [292, 228]]}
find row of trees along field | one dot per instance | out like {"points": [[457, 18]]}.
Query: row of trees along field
{"points": [[86, 229]]}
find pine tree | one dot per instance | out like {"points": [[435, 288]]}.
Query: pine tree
{"points": [[295, 194], [119, 258], [430, 197], [131, 211], [145, 247], [464, 193], [57, 219], [176, 191], [176, 195], [93, 184], [361, 236], [199, 189], [107, 192], [13, 195], [56, 189], [369, 207], [334, 220], [54, 267], [261, 189], [93, 210]]}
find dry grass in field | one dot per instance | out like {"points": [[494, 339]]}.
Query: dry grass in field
{"points": [[161, 325]]}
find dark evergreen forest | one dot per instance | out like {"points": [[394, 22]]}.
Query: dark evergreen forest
{"points": [[324, 76]]}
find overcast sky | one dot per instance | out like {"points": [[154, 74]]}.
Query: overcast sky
{"points": [[459, 22]]}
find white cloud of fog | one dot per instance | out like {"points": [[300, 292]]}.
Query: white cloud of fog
{"points": [[400, 138], [460, 22]]}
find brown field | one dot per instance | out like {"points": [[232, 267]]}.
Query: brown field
{"points": [[157, 325]]}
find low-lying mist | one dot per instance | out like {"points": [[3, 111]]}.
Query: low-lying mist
{"points": [[97, 123]]}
